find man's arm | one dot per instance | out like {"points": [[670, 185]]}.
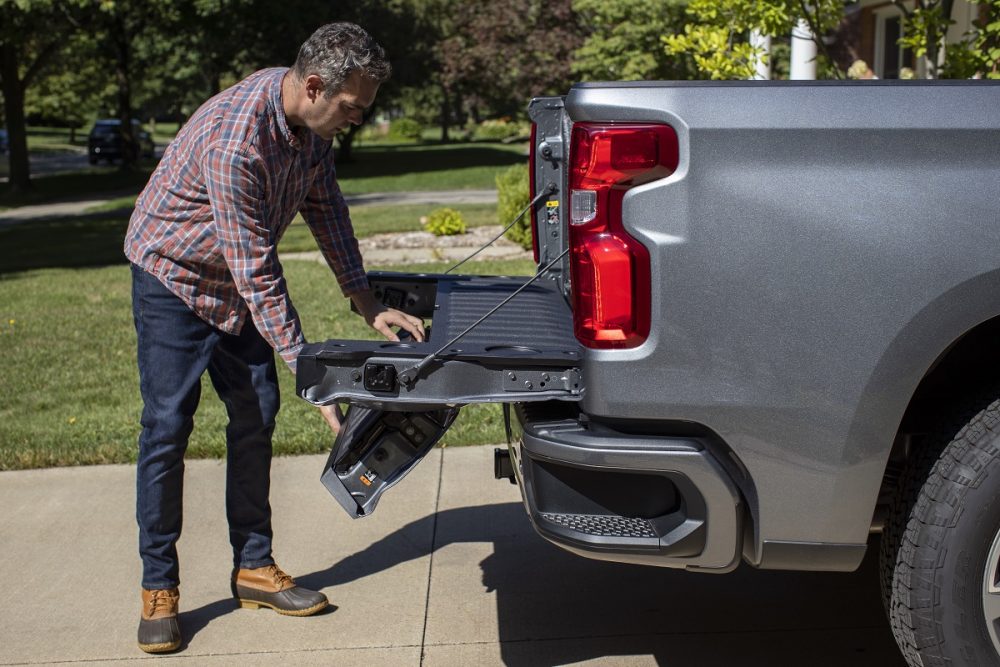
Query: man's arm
{"points": [[326, 213], [236, 191]]}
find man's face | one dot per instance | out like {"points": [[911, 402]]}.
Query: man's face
{"points": [[326, 116]]}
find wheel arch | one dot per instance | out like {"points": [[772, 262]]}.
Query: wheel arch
{"points": [[965, 323]]}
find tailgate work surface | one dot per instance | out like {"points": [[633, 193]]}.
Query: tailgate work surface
{"points": [[524, 352]]}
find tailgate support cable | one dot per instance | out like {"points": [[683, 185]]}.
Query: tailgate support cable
{"points": [[409, 376], [549, 190]]}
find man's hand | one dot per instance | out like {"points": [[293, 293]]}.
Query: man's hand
{"points": [[382, 319], [333, 416]]}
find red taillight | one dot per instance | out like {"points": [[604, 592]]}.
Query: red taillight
{"points": [[531, 191], [610, 269]]}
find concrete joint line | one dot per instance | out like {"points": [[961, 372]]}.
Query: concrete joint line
{"points": [[430, 564]]}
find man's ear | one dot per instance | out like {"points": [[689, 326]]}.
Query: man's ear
{"points": [[314, 86]]}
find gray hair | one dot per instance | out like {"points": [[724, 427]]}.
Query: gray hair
{"points": [[336, 51]]}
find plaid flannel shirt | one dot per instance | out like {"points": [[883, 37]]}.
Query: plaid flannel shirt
{"points": [[207, 224]]}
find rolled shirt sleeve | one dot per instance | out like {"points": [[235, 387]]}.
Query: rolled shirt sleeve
{"points": [[236, 186]]}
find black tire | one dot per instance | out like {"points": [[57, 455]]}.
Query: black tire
{"points": [[937, 541]]}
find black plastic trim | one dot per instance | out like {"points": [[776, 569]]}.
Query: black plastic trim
{"points": [[684, 539]]}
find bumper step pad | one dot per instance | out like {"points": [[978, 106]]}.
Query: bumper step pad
{"points": [[603, 525]]}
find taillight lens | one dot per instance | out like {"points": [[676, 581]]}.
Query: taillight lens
{"points": [[610, 269], [531, 190]]}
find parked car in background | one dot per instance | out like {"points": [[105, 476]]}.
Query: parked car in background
{"points": [[4, 143], [105, 140]]}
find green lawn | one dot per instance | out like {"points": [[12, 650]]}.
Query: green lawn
{"points": [[89, 183], [69, 390], [415, 167], [376, 168], [370, 220], [96, 240], [56, 139]]}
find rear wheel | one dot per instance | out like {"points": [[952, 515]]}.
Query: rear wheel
{"points": [[941, 550]]}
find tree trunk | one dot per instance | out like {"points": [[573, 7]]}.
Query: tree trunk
{"points": [[130, 145], [445, 113], [13, 99], [345, 145]]}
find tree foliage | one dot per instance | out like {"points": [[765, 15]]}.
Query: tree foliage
{"points": [[717, 37], [31, 34], [488, 58], [977, 54], [623, 40], [924, 30]]}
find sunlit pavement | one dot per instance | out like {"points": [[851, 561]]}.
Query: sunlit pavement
{"points": [[446, 572]]}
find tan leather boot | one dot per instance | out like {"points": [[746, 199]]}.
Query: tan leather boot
{"points": [[159, 631], [268, 586]]}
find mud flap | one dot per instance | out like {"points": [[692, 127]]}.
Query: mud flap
{"points": [[375, 449]]}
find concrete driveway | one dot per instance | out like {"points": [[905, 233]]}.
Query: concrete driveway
{"points": [[446, 572]]}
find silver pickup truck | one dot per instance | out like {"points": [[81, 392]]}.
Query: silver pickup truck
{"points": [[766, 326]]}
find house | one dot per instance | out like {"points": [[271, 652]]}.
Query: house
{"points": [[880, 25]]}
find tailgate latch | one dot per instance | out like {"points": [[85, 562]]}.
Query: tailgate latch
{"points": [[380, 377]]}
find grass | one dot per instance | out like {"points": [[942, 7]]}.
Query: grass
{"points": [[415, 167], [369, 220], [69, 392], [96, 240], [376, 168], [88, 183]]}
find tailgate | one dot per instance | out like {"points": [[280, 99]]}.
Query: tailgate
{"points": [[404, 396], [524, 352]]}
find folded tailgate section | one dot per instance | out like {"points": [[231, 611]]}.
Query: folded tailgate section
{"points": [[404, 396]]}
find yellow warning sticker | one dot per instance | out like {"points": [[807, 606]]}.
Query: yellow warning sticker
{"points": [[553, 203]]}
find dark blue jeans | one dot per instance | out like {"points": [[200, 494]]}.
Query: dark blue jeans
{"points": [[175, 348]]}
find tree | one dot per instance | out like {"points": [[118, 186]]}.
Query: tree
{"points": [[131, 35], [31, 34], [976, 54], [69, 96], [492, 61], [623, 40], [924, 30], [717, 39]]}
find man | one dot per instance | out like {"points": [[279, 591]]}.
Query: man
{"points": [[208, 294]]}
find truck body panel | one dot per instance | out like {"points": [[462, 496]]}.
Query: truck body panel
{"points": [[817, 249]]}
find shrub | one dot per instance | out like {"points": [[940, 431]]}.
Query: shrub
{"points": [[406, 128], [445, 222], [498, 130], [512, 196]]}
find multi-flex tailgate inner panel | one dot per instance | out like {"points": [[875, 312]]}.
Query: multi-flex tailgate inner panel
{"points": [[525, 351]]}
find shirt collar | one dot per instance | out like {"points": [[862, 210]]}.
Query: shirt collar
{"points": [[279, 109]]}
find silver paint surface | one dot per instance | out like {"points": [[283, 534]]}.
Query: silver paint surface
{"points": [[817, 249]]}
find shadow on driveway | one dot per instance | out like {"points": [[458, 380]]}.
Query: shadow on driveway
{"points": [[556, 608]]}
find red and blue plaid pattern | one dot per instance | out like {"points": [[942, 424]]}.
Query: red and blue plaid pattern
{"points": [[207, 224]]}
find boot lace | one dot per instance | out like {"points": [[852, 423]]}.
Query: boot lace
{"points": [[161, 600], [280, 579]]}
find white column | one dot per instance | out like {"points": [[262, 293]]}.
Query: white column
{"points": [[762, 59], [803, 52]]}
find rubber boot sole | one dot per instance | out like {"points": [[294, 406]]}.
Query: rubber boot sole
{"points": [[308, 611], [164, 647]]}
